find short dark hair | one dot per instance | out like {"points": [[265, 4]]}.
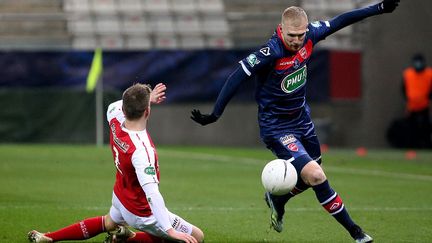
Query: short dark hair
{"points": [[418, 57], [136, 100]]}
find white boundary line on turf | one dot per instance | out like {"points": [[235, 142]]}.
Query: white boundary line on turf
{"points": [[303, 209], [244, 160], [365, 209]]}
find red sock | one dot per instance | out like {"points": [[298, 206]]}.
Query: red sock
{"points": [[143, 237], [84, 229]]}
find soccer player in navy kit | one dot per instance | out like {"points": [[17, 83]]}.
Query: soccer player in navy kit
{"points": [[280, 68]]}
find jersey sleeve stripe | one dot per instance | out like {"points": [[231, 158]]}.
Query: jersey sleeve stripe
{"points": [[245, 69]]}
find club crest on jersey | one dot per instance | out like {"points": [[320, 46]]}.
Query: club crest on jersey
{"points": [[294, 81], [287, 139], [252, 60], [303, 53], [265, 51], [293, 147]]}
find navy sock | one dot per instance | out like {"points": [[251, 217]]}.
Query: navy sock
{"points": [[331, 201], [299, 188]]}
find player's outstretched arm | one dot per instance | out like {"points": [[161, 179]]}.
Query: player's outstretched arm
{"points": [[159, 211], [388, 6], [202, 119], [228, 90], [157, 95], [181, 236], [351, 17]]}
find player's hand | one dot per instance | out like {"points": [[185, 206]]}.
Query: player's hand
{"points": [[388, 6], [181, 236], [203, 119], [157, 95]]}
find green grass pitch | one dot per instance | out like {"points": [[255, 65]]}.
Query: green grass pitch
{"points": [[46, 187]]}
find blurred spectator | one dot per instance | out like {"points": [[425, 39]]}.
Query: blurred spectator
{"points": [[417, 90], [415, 130]]}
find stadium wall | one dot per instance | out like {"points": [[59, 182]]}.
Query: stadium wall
{"points": [[388, 48], [44, 98], [53, 115]]}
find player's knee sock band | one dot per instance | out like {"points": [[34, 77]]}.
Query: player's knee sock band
{"points": [[299, 188], [331, 202]]}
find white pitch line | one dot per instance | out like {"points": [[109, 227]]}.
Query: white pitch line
{"points": [[214, 157], [250, 161], [365, 209], [222, 209], [379, 173]]}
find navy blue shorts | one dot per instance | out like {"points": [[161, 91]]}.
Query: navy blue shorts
{"points": [[302, 149]]}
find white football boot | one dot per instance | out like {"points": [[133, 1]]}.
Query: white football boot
{"points": [[38, 237], [360, 236]]}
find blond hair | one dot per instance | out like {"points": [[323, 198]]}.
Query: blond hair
{"points": [[293, 14]]}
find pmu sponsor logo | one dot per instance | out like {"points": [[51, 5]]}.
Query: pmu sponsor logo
{"points": [[287, 139], [150, 170], [294, 81]]}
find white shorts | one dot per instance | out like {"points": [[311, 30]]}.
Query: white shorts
{"points": [[120, 215]]}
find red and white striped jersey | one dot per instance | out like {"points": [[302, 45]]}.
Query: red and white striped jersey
{"points": [[136, 161]]}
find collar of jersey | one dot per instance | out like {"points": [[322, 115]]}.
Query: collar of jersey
{"points": [[130, 131]]}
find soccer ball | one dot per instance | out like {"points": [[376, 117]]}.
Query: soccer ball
{"points": [[279, 177]]}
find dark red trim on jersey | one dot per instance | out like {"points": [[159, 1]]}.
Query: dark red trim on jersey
{"points": [[148, 155], [302, 55], [279, 33], [155, 155]]}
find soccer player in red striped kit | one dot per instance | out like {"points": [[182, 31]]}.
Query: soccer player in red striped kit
{"points": [[136, 199]]}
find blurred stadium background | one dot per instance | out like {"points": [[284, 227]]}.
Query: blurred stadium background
{"points": [[46, 49]]}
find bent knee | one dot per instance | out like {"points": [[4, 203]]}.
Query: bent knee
{"points": [[109, 224], [312, 174], [317, 177]]}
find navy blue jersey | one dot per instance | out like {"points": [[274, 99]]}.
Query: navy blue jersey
{"points": [[282, 76]]}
